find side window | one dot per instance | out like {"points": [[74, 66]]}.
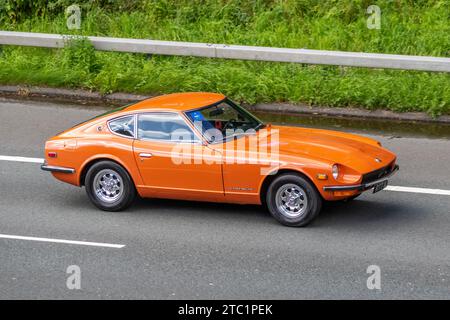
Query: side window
{"points": [[123, 126], [164, 126]]}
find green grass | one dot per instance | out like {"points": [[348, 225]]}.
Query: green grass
{"points": [[407, 27]]}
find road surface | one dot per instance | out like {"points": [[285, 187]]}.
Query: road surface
{"points": [[165, 249]]}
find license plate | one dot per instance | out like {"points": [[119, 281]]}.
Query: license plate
{"points": [[380, 186]]}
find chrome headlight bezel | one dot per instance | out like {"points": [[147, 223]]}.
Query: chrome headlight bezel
{"points": [[335, 171]]}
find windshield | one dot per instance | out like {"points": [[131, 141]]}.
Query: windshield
{"points": [[224, 120]]}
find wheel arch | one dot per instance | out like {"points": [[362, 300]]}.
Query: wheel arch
{"points": [[271, 177], [89, 163]]}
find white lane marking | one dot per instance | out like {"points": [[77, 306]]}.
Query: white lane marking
{"points": [[81, 243], [388, 188], [418, 190], [21, 159]]}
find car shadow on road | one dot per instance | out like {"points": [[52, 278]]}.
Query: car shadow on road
{"points": [[143, 205], [355, 213], [363, 212], [359, 212]]}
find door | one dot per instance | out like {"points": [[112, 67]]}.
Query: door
{"points": [[172, 160]]}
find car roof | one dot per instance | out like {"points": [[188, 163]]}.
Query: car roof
{"points": [[178, 101]]}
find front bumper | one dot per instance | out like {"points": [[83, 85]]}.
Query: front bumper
{"points": [[46, 167], [363, 186]]}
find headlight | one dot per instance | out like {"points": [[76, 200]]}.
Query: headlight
{"points": [[335, 171]]}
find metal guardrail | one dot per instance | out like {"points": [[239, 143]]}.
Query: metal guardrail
{"points": [[175, 48]]}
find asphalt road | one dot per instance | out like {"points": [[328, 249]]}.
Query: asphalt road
{"points": [[187, 250]]}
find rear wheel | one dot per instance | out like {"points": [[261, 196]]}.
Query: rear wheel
{"points": [[109, 186], [293, 201]]}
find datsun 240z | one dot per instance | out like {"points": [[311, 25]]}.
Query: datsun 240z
{"points": [[204, 147]]}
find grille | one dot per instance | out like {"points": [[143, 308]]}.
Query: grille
{"points": [[377, 174]]}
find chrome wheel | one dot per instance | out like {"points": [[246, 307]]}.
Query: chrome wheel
{"points": [[291, 200], [108, 185]]}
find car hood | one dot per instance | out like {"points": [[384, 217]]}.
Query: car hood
{"points": [[354, 151]]}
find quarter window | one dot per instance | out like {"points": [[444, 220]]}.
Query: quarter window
{"points": [[123, 126], [164, 126]]}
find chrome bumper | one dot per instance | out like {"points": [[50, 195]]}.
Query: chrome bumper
{"points": [[361, 187], [46, 167]]}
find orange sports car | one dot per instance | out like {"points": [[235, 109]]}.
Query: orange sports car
{"points": [[203, 146]]}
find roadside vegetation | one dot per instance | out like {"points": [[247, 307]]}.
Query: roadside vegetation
{"points": [[407, 27]]}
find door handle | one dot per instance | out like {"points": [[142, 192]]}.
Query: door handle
{"points": [[145, 155]]}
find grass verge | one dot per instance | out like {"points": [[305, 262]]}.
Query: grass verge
{"points": [[407, 27]]}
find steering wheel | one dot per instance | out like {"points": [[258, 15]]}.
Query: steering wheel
{"points": [[229, 123]]}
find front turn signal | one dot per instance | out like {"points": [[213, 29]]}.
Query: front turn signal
{"points": [[322, 176]]}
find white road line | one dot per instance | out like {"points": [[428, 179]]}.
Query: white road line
{"points": [[388, 188], [418, 190], [81, 243], [21, 159]]}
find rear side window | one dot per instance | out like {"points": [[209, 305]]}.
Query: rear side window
{"points": [[164, 126], [123, 126]]}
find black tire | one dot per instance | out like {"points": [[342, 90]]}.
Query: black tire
{"points": [[127, 193], [310, 209]]}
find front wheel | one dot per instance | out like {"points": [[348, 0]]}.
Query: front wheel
{"points": [[109, 186], [293, 201]]}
